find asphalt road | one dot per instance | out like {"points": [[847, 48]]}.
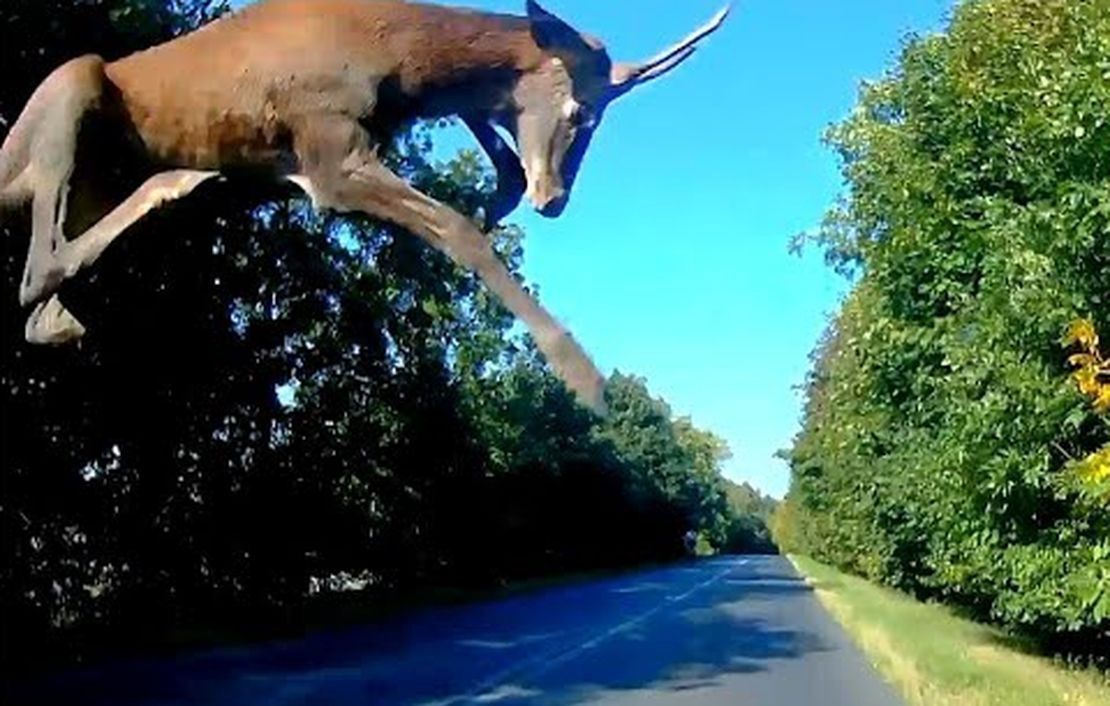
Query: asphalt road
{"points": [[737, 631]]}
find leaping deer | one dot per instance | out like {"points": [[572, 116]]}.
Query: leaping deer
{"points": [[307, 91]]}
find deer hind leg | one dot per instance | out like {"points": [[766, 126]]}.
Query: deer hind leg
{"points": [[49, 322], [42, 272], [18, 192], [160, 189], [50, 127], [346, 176]]}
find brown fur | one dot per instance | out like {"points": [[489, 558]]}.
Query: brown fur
{"points": [[237, 89], [307, 90]]}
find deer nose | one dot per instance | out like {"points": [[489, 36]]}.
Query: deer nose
{"points": [[554, 207], [549, 202]]}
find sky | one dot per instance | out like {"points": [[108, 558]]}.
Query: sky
{"points": [[671, 261]]}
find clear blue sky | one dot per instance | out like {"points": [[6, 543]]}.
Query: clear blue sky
{"points": [[671, 261]]}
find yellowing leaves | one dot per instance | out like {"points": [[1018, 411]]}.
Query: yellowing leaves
{"points": [[1082, 332], [1086, 379], [1092, 377], [1092, 371], [1082, 360], [1102, 401], [1096, 467]]}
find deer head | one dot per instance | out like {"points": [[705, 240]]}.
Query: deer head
{"points": [[560, 104]]}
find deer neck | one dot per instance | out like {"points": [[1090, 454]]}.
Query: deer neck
{"points": [[467, 63]]}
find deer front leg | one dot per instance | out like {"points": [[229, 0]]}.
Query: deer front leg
{"points": [[364, 185], [19, 191], [511, 180]]}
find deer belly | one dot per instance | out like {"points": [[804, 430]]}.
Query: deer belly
{"points": [[217, 138], [200, 124]]}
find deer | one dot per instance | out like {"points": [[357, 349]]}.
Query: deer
{"points": [[309, 93]]}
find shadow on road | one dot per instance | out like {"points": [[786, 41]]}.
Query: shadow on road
{"points": [[682, 631], [735, 627]]}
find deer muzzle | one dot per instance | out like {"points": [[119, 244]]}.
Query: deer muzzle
{"points": [[547, 197]]}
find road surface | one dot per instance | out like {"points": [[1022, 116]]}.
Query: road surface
{"points": [[736, 631]]}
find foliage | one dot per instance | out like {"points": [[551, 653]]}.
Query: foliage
{"points": [[752, 512], [940, 424], [272, 405]]}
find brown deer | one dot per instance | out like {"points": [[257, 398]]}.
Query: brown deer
{"points": [[308, 91]]}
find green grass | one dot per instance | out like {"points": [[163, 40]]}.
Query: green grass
{"points": [[938, 659]]}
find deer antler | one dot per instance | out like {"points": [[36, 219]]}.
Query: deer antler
{"points": [[626, 76]]}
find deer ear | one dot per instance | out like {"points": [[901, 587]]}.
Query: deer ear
{"points": [[550, 32]]}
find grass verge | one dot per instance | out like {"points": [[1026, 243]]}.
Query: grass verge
{"points": [[938, 659]]}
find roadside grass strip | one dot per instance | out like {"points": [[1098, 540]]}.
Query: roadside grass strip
{"points": [[936, 658]]}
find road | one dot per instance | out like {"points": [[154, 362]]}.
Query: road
{"points": [[741, 631]]}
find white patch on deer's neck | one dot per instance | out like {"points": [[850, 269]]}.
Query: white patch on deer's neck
{"points": [[569, 108]]}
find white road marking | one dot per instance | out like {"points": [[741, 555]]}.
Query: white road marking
{"points": [[497, 683]]}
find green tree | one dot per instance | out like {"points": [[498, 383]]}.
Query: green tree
{"points": [[941, 426]]}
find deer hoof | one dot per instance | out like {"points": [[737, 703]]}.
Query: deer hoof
{"points": [[51, 324]]}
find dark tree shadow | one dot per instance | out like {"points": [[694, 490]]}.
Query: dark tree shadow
{"points": [[554, 647], [697, 647]]}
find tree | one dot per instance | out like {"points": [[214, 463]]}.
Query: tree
{"points": [[941, 427]]}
